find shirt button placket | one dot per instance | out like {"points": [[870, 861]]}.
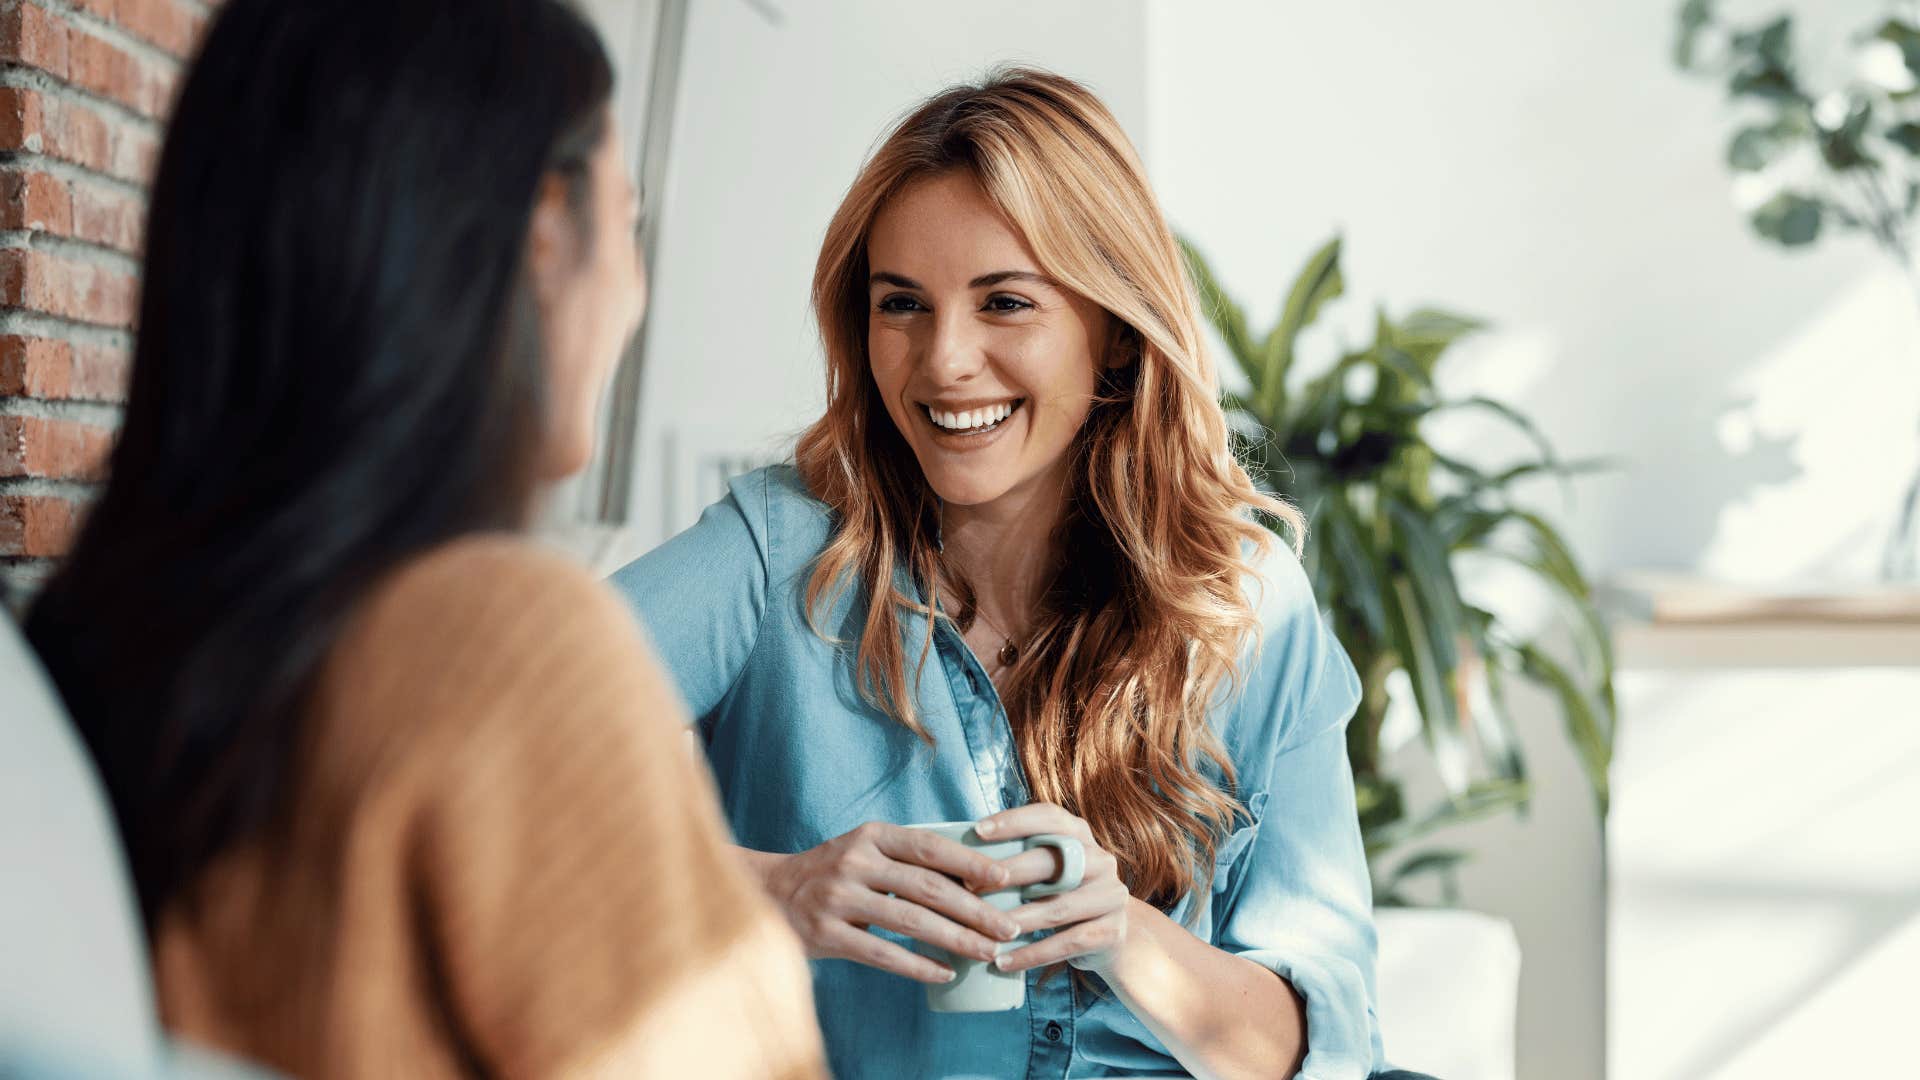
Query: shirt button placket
{"points": [[1053, 1036]]}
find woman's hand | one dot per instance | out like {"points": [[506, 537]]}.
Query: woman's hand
{"points": [[1094, 916], [901, 879]]}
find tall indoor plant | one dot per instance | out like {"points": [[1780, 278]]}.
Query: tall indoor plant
{"points": [[1390, 517], [1811, 160]]}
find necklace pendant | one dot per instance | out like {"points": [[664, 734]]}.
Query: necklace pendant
{"points": [[1009, 654]]}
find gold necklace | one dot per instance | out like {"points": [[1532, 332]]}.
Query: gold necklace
{"points": [[1009, 653]]}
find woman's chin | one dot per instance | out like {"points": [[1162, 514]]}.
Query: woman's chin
{"points": [[561, 463], [967, 487]]}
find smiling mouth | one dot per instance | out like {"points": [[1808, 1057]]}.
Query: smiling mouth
{"points": [[972, 421]]}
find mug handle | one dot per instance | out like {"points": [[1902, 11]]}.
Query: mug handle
{"points": [[1073, 864]]}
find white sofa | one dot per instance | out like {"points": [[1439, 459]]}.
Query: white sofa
{"points": [[76, 995]]}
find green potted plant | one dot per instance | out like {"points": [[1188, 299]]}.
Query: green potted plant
{"points": [[1814, 160], [1392, 520]]}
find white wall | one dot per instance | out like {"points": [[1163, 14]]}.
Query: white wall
{"points": [[1542, 165], [780, 102]]}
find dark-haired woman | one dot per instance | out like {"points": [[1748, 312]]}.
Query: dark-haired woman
{"points": [[402, 796]]}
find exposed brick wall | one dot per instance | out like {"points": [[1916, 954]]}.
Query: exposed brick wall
{"points": [[84, 88]]}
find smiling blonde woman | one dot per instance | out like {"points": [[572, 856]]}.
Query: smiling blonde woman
{"points": [[1015, 577]]}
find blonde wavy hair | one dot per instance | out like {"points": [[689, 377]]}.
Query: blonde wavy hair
{"points": [[1148, 618]]}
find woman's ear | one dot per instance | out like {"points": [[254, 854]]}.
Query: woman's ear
{"points": [[553, 239], [1123, 345]]}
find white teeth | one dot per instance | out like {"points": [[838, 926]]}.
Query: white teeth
{"points": [[972, 419]]}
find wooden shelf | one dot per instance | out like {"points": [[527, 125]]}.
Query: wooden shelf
{"points": [[1675, 600], [1667, 621]]}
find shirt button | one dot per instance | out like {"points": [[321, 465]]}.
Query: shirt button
{"points": [[1053, 1031]]}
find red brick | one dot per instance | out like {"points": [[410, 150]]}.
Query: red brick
{"points": [[34, 37], [38, 526], [106, 69], [35, 367], [30, 199], [54, 370], [100, 373], [23, 122], [80, 135], [66, 288], [169, 25], [104, 10], [50, 449], [107, 217], [134, 155], [74, 133]]}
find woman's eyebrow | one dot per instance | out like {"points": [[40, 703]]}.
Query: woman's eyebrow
{"points": [[999, 276], [984, 281]]}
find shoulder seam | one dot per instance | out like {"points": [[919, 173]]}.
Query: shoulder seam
{"points": [[765, 547]]}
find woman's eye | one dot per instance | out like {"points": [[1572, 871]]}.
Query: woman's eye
{"points": [[1003, 303], [898, 304]]}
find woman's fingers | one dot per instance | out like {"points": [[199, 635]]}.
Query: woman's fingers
{"points": [[1042, 865], [874, 951], [938, 892], [1031, 820], [1035, 867], [1090, 901], [921, 847], [1096, 936], [920, 924]]}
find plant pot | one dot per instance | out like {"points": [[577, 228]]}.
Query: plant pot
{"points": [[1449, 986]]}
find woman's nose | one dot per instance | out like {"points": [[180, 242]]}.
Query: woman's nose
{"points": [[955, 353]]}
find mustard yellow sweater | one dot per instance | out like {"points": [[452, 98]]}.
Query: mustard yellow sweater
{"points": [[503, 859]]}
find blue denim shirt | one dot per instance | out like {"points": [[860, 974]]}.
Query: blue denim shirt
{"points": [[800, 758]]}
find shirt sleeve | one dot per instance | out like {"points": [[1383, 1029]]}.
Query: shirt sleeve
{"points": [[1302, 903], [702, 595]]}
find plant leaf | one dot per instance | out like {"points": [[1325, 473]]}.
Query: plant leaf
{"points": [[1433, 682], [1493, 726], [1554, 559], [1754, 148], [1589, 733], [1227, 317], [1549, 461], [1442, 863], [1790, 219], [1428, 327], [1480, 800], [1844, 147], [1319, 281], [1428, 862], [1359, 583], [1906, 36], [1695, 16], [1431, 574], [1906, 136]]}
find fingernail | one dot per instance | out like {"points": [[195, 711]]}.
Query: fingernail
{"points": [[1009, 931], [985, 828], [948, 978], [1003, 963]]}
